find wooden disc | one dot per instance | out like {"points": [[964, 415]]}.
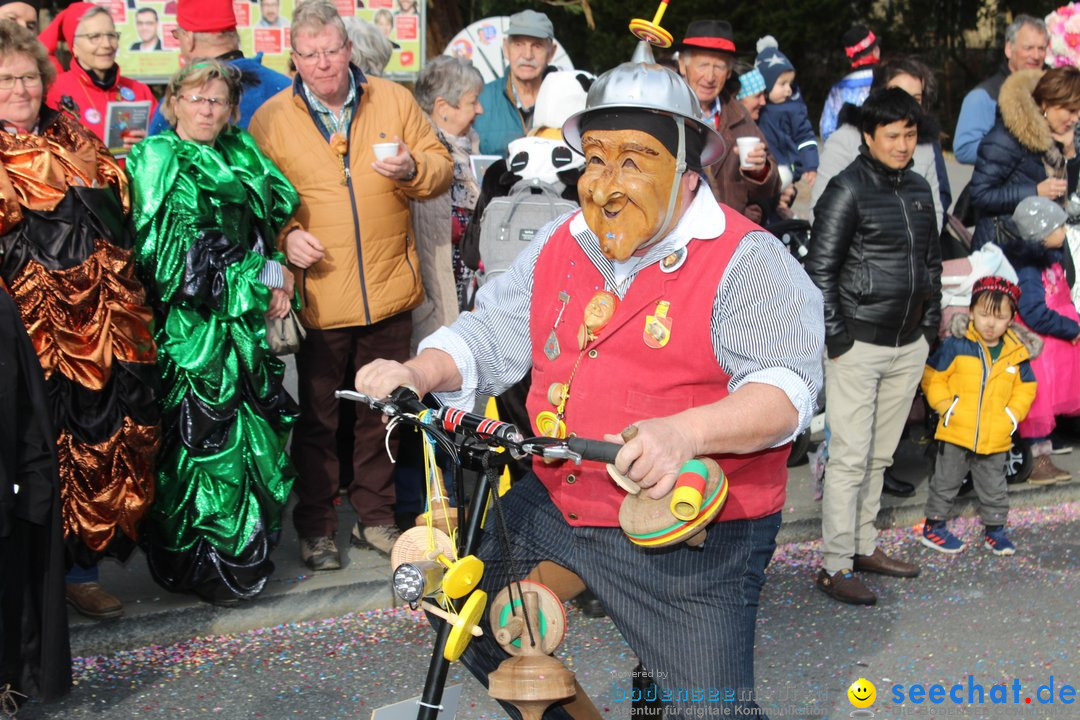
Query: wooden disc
{"points": [[414, 543], [651, 33], [622, 481], [531, 683], [649, 522], [551, 624]]}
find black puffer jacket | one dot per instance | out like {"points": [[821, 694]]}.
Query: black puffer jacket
{"points": [[875, 255]]}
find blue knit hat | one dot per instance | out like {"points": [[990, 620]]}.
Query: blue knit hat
{"points": [[751, 83], [771, 62]]}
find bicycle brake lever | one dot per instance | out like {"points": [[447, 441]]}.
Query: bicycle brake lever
{"points": [[361, 398]]}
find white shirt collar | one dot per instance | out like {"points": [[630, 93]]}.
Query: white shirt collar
{"points": [[704, 219]]}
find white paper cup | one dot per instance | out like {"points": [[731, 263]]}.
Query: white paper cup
{"points": [[385, 150], [746, 144]]}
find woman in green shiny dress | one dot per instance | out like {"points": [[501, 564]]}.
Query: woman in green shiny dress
{"points": [[207, 207]]}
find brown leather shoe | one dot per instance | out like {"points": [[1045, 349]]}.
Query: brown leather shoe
{"points": [[845, 587], [882, 564], [1045, 472], [91, 600]]}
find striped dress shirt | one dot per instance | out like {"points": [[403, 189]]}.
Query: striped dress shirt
{"points": [[767, 322]]}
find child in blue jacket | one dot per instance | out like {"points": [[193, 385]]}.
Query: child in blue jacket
{"points": [[784, 120]]}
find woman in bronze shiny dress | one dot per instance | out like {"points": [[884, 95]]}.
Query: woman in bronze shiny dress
{"points": [[65, 255]]}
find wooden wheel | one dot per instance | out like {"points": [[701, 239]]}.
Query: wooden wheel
{"points": [[507, 623]]}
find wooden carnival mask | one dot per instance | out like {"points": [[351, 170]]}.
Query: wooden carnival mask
{"points": [[625, 188]]}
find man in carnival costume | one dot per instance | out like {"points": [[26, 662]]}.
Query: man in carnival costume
{"points": [[731, 372]]}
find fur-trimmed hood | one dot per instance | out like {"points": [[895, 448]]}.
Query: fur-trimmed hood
{"points": [[1021, 115], [961, 322]]}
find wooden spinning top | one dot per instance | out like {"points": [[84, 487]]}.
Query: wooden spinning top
{"points": [[531, 680], [650, 30], [654, 523]]}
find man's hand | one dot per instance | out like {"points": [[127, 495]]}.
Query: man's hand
{"points": [[279, 303], [379, 378], [655, 456], [754, 161], [303, 249], [810, 176], [397, 167], [787, 197]]}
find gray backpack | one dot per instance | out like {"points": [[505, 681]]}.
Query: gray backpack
{"points": [[510, 223]]}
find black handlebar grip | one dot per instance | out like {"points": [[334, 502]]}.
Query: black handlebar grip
{"points": [[407, 399], [594, 449]]}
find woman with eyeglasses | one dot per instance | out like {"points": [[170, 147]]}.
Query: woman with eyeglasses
{"points": [[66, 256], [93, 80], [208, 206]]}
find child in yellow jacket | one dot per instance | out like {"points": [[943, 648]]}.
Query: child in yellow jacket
{"points": [[982, 386]]}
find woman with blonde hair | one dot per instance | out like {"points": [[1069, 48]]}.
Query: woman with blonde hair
{"points": [[208, 208]]}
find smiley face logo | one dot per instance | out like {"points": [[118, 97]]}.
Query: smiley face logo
{"points": [[862, 693]]}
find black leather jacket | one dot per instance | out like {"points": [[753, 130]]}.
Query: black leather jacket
{"points": [[876, 257]]}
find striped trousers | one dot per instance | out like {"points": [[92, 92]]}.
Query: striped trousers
{"points": [[688, 613]]}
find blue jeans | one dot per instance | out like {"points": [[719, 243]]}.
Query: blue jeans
{"points": [[79, 574], [688, 613]]}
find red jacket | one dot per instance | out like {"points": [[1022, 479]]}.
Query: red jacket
{"points": [[76, 94], [621, 379]]}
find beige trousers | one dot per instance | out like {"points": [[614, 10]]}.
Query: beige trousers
{"points": [[868, 394]]}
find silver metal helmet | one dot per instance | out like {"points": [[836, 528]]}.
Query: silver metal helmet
{"points": [[649, 87]]}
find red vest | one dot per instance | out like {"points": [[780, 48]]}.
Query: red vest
{"points": [[620, 379]]}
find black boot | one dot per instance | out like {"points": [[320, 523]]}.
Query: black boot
{"points": [[590, 605], [895, 486], [646, 701]]}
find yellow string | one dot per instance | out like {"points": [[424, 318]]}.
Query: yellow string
{"points": [[435, 499]]}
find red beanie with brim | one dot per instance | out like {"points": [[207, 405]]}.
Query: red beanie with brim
{"points": [[63, 26], [211, 16]]}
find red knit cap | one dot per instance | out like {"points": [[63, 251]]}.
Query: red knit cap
{"points": [[63, 26], [994, 283], [210, 16]]}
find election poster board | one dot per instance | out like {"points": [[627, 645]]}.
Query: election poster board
{"points": [[149, 51]]}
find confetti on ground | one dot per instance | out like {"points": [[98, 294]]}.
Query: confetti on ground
{"points": [[997, 619]]}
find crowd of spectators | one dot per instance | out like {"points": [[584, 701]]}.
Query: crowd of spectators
{"points": [[144, 282]]}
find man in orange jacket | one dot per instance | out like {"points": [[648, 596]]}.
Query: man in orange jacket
{"points": [[351, 245]]}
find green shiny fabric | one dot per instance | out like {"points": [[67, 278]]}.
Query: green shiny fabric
{"points": [[217, 354]]}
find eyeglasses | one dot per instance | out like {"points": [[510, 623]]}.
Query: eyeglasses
{"points": [[328, 54], [213, 103], [96, 38], [30, 80]]}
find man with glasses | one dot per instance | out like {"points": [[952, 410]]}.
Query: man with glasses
{"points": [[207, 28], [351, 246], [146, 25]]}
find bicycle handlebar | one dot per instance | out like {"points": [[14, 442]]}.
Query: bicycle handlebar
{"points": [[405, 401]]}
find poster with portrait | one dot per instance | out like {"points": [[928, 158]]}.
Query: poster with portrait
{"points": [[150, 52]]}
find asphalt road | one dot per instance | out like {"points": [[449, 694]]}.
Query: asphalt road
{"points": [[1000, 620]]}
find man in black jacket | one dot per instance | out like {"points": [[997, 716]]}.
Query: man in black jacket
{"points": [[876, 259]]}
